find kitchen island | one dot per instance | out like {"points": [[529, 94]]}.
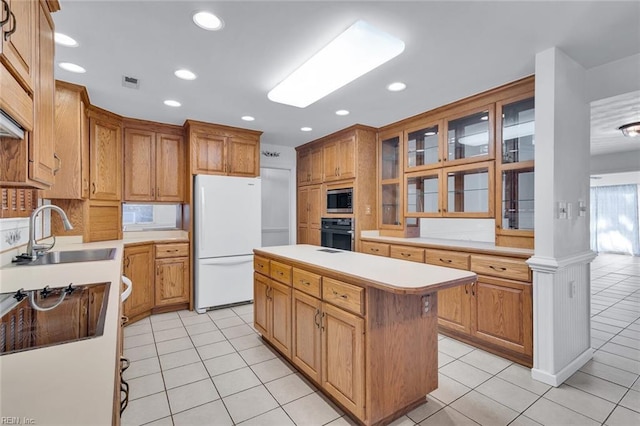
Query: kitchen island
{"points": [[361, 327]]}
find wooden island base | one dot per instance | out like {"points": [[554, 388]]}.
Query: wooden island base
{"points": [[371, 347]]}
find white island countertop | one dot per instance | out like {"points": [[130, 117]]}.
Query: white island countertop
{"points": [[393, 275]]}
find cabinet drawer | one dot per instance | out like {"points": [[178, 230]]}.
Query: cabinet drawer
{"points": [[346, 296], [172, 250], [261, 264], [413, 254], [450, 259], [379, 249], [281, 272], [515, 269], [307, 282]]}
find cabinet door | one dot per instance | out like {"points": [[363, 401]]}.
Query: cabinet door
{"points": [[316, 165], [172, 281], [138, 267], [303, 207], [41, 160], [169, 167], [207, 153], [346, 158], [261, 304], [18, 49], [106, 158], [314, 237], [303, 166], [454, 308], [303, 235], [139, 165], [315, 207], [330, 152], [96, 296], [423, 146], [343, 357], [243, 157], [469, 136], [468, 190], [502, 313], [306, 345], [281, 317]]}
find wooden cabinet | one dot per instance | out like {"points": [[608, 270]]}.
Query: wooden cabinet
{"points": [[18, 50], [413, 254], [153, 166], [172, 274], [105, 143], [378, 249], [71, 181], [272, 300], [309, 214], [339, 159], [306, 337], [310, 166], [17, 202], [216, 149], [138, 267]]}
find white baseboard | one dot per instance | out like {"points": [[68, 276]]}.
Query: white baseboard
{"points": [[559, 378]]}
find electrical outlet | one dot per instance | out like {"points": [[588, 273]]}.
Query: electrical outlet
{"points": [[572, 289], [367, 209]]}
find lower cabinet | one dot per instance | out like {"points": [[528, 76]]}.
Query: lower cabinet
{"points": [[272, 318], [165, 290], [306, 344]]}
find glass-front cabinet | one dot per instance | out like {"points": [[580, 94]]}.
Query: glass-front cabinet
{"points": [[515, 139], [469, 136], [390, 178], [423, 191], [468, 190], [423, 146]]}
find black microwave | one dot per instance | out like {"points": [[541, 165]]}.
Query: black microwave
{"points": [[340, 200]]}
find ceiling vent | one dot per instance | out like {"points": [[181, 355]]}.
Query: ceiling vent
{"points": [[130, 82]]}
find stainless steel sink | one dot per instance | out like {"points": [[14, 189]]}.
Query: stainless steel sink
{"points": [[73, 256]]}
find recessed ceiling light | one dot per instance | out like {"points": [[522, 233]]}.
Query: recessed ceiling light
{"points": [[247, 118], [396, 87], [72, 67], [65, 40], [306, 129], [208, 21], [172, 103], [484, 118], [342, 112], [355, 52], [185, 74]]}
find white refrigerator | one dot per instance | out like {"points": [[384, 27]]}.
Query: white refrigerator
{"points": [[227, 229]]}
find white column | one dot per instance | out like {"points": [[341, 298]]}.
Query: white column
{"points": [[561, 275]]}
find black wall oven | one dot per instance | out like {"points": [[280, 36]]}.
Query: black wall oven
{"points": [[338, 233]]}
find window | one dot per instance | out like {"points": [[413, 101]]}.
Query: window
{"points": [[614, 219], [140, 217]]}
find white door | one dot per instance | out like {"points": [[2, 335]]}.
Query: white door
{"points": [[276, 206]]}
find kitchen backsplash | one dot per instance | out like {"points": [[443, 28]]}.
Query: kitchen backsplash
{"points": [[13, 232], [482, 230]]}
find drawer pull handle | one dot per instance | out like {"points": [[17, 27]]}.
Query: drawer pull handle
{"points": [[315, 318], [172, 250], [375, 249], [406, 254], [260, 265], [281, 273], [445, 260], [304, 282], [344, 296], [497, 268]]}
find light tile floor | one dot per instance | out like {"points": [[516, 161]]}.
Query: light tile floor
{"points": [[214, 369]]}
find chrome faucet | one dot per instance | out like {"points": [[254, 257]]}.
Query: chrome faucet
{"points": [[34, 249]]}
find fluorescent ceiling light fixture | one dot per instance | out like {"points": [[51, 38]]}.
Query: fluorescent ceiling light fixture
{"points": [[306, 129], [342, 112], [185, 74], [247, 118], [208, 21], [355, 52], [172, 103], [72, 67], [65, 40], [396, 87]]}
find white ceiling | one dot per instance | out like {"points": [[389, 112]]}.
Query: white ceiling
{"points": [[607, 115], [453, 49]]}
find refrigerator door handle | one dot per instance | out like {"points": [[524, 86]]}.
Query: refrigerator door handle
{"points": [[201, 221], [226, 260]]}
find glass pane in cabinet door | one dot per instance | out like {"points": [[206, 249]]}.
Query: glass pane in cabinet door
{"points": [[390, 158], [391, 209], [468, 191], [422, 194], [517, 199], [518, 136], [468, 136], [422, 147]]}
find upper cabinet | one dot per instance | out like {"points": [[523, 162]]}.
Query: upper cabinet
{"points": [[71, 180], [216, 149], [153, 163], [310, 166], [469, 136], [19, 46], [339, 159], [105, 141], [424, 145], [390, 196]]}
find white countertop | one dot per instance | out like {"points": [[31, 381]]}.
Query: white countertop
{"points": [[398, 276], [448, 244], [70, 383]]}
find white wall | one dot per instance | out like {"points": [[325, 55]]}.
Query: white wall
{"points": [[285, 159], [616, 162], [613, 78]]}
